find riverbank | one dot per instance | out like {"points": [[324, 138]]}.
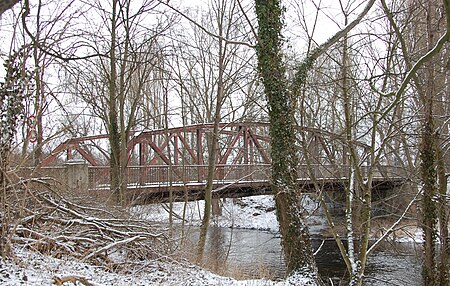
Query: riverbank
{"points": [[252, 215], [246, 233], [258, 212], [31, 268]]}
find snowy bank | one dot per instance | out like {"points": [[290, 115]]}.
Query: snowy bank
{"points": [[257, 212], [36, 269]]}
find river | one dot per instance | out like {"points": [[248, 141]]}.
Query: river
{"points": [[244, 253]]}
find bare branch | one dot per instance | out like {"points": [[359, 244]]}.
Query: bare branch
{"points": [[46, 50], [228, 41], [307, 63], [411, 73], [394, 225], [112, 245], [255, 34]]}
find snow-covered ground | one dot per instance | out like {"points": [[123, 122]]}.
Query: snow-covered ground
{"points": [[32, 268], [257, 212]]}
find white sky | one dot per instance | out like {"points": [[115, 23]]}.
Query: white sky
{"points": [[329, 16]]}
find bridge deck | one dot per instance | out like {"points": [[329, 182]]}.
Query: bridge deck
{"points": [[222, 189], [158, 182]]}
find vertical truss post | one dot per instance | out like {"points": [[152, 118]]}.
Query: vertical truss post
{"points": [[175, 151], [246, 150], [175, 164], [69, 153], [199, 154], [251, 155], [317, 155], [143, 162], [219, 170]]}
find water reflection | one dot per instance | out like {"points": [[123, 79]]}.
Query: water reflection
{"points": [[244, 253]]}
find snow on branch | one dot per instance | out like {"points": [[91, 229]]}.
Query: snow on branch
{"points": [[53, 225]]}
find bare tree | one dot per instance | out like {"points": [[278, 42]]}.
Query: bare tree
{"points": [[42, 28], [115, 85], [216, 82], [373, 115], [425, 43]]}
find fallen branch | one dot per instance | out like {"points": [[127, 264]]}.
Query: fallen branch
{"points": [[112, 245], [59, 281], [48, 223]]}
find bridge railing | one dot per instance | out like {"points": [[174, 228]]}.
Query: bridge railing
{"points": [[188, 174], [341, 172], [99, 177]]}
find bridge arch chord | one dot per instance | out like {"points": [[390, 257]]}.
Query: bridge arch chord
{"points": [[91, 148]]}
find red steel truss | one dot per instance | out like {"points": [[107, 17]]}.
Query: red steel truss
{"points": [[179, 155]]}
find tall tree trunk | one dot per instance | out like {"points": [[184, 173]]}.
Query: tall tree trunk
{"points": [[4, 206], [208, 193], [113, 124], [431, 166], [295, 233], [428, 161], [38, 105], [351, 190], [428, 175], [442, 160], [39, 61], [443, 215], [213, 143], [13, 94]]}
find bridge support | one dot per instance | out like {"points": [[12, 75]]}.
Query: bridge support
{"points": [[216, 207], [77, 178], [336, 202]]}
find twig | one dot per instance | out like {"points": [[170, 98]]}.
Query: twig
{"points": [[393, 226], [204, 29]]}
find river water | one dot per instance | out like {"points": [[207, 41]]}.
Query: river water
{"points": [[244, 253]]}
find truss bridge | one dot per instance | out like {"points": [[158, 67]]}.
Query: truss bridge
{"points": [[175, 160]]}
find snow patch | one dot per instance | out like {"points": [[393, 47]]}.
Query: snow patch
{"points": [[37, 269], [257, 212]]}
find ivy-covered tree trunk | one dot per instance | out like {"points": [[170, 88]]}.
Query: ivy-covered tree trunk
{"points": [[14, 91], [282, 98], [428, 158], [295, 233], [428, 174], [5, 5]]}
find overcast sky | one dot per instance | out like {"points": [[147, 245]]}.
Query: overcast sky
{"points": [[330, 19]]}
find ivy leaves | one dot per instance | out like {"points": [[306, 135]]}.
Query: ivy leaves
{"points": [[14, 91]]}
